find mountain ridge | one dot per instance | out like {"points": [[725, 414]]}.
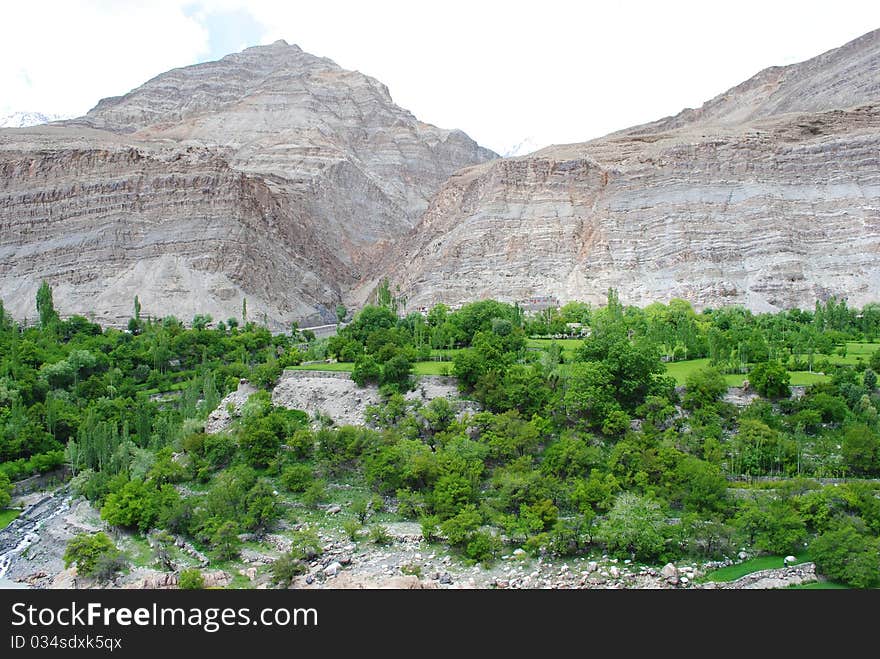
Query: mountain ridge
{"points": [[743, 201]]}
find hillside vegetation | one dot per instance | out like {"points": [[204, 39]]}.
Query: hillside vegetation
{"points": [[581, 446]]}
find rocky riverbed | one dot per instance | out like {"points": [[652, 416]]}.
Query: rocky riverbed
{"points": [[32, 546]]}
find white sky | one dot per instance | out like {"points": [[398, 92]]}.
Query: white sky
{"points": [[502, 71]]}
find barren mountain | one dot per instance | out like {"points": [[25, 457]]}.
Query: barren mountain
{"points": [[271, 175], [767, 196]]}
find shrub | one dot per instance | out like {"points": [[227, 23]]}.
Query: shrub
{"points": [[301, 443], [483, 547], [616, 423], [260, 446], [133, 506], [430, 527], [219, 449], [191, 579], [297, 478], [379, 535], [410, 504], [315, 493], [90, 553], [108, 566], [352, 529], [286, 567], [306, 545], [459, 529]]}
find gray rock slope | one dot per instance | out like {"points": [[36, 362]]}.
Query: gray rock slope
{"points": [[766, 196], [271, 175]]}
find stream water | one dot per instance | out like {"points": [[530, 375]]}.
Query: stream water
{"points": [[23, 531]]}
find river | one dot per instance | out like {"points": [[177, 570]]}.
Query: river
{"points": [[23, 531]]}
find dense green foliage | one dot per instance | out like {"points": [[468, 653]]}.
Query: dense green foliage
{"points": [[94, 555], [191, 579], [5, 491], [581, 445]]}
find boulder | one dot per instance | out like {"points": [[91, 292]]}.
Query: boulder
{"points": [[670, 573]]}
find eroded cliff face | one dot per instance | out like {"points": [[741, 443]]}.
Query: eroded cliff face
{"points": [[768, 196], [270, 175]]}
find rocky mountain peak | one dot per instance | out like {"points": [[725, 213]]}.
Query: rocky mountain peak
{"points": [[270, 174]]}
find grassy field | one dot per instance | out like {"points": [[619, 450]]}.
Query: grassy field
{"points": [[804, 378], [820, 585], [432, 368], [6, 516], [734, 572], [681, 370], [566, 344], [854, 351], [323, 366]]}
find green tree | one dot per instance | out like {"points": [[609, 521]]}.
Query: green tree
{"points": [[589, 393], [5, 490], [452, 492], [385, 298], [460, 529], [703, 485], [757, 449], [704, 387], [261, 507], [225, 541], [396, 373], [468, 366], [634, 525], [259, 446], [46, 306], [861, 449], [366, 370], [341, 312], [132, 506], [771, 380], [870, 379], [848, 553], [773, 525]]}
